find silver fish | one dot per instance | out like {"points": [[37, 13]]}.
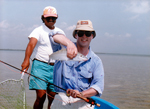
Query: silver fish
{"points": [[62, 55]]}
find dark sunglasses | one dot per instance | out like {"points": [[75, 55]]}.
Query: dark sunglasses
{"points": [[87, 33], [48, 19]]}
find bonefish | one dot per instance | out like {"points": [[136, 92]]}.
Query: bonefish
{"points": [[62, 55]]}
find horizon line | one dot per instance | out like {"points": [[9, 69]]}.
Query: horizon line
{"points": [[145, 55]]}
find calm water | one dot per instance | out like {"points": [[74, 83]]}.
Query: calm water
{"points": [[127, 78]]}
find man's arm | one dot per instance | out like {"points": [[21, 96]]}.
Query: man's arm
{"points": [[96, 85], [29, 50], [71, 48], [89, 92], [86, 93]]}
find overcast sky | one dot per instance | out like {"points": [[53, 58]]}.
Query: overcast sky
{"points": [[122, 26]]}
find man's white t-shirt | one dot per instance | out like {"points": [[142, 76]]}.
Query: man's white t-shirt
{"points": [[43, 47]]}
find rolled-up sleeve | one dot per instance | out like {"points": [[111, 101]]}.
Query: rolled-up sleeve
{"points": [[98, 77], [55, 46]]}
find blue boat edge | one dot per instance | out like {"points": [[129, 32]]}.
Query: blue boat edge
{"points": [[103, 104]]}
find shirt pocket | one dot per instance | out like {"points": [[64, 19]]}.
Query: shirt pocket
{"points": [[68, 69], [85, 78]]}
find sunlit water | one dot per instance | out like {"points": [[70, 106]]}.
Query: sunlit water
{"points": [[127, 79]]}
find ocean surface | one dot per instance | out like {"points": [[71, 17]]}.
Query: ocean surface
{"points": [[127, 78]]}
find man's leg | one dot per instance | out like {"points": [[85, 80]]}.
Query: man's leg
{"points": [[51, 96], [40, 98]]}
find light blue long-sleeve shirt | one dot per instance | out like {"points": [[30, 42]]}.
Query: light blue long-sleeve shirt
{"points": [[80, 75]]}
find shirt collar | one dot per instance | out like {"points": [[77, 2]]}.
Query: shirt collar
{"points": [[90, 52], [46, 28]]}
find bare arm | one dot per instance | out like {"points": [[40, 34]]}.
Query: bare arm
{"points": [[29, 50], [71, 48], [86, 93]]}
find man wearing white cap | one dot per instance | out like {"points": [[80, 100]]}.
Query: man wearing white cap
{"points": [[84, 78], [40, 45]]}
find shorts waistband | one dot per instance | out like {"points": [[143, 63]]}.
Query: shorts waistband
{"points": [[52, 64]]}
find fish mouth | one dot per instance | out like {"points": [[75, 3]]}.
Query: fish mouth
{"points": [[85, 59]]}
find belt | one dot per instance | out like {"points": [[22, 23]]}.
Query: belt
{"points": [[51, 63]]}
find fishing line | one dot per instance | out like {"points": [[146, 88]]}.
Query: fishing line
{"points": [[88, 100]]}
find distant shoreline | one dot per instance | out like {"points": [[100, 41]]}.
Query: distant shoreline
{"points": [[144, 55], [11, 50]]}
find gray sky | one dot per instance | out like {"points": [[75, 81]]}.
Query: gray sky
{"points": [[122, 26]]}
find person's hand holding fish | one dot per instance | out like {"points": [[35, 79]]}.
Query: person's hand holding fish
{"points": [[71, 50], [62, 55]]}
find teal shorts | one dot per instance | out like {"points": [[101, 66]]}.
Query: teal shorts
{"points": [[43, 71]]}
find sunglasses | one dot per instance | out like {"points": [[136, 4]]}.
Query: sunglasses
{"points": [[87, 33], [48, 19]]}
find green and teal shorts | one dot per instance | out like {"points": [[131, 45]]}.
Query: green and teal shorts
{"points": [[43, 71]]}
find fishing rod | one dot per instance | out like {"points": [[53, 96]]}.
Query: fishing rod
{"points": [[88, 100]]}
